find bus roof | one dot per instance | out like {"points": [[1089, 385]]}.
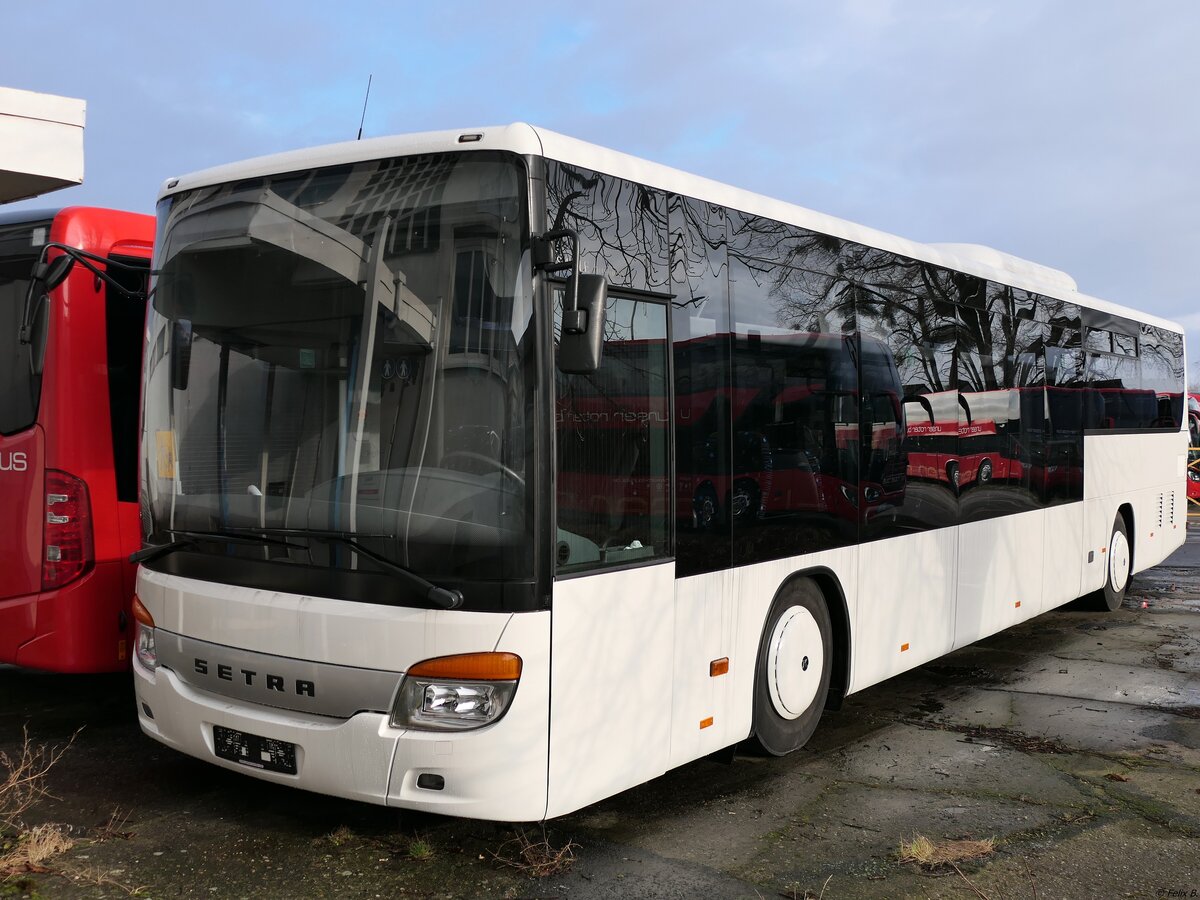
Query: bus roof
{"points": [[528, 140], [28, 216]]}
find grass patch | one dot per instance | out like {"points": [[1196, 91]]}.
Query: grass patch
{"points": [[420, 849]]}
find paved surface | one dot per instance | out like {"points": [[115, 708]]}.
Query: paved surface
{"points": [[1073, 740]]}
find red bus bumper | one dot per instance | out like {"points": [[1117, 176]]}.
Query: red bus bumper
{"points": [[84, 627]]}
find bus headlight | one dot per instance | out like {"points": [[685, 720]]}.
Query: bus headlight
{"points": [[147, 652], [144, 646], [453, 693]]}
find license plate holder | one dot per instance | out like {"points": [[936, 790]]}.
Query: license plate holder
{"points": [[255, 751]]}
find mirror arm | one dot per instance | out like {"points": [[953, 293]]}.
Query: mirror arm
{"points": [[85, 259], [574, 319]]}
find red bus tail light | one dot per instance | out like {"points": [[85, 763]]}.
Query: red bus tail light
{"points": [[67, 533]]}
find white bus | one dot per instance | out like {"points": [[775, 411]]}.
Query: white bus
{"points": [[491, 473]]}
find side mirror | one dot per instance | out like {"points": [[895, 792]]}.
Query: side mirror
{"points": [[181, 353], [585, 300], [579, 350], [35, 319], [54, 273]]}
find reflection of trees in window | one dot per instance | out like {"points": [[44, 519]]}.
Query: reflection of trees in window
{"points": [[1162, 372], [622, 226]]}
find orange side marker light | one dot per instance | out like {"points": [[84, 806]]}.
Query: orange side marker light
{"points": [[903, 647], [705, 723], [718, 667]]}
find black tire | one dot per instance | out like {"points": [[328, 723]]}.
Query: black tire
{"points": [[1118, 554], [985, 472], [744, 502], [779, 732], [706, 509], [953, 474]]}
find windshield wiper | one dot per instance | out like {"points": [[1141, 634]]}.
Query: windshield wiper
{"points": [[446, 598], [191, 537]]}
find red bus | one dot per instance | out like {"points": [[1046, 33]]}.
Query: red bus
{"points": [[70, 369], [1193, 484]]}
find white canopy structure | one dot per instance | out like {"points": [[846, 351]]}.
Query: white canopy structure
{"points": [[41, 143]]}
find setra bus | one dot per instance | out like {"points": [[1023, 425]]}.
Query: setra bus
{"points": [[428, 426], [70, 374]]}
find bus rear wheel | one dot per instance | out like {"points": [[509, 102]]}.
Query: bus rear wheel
{"points": [[794, 664], [1117, 569], [985, 471]]}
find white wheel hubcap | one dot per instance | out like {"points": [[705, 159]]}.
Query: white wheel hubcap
{"points": [[795, 659], [1118, 561]]}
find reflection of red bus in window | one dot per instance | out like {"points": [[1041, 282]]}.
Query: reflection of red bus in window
{"points": [[931, 437], [968, 438], [794, 447], [814, 429], [605, 477], [68, 441], [1193, 484]]}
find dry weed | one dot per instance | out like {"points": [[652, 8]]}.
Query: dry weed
{"points": [[929, 854], [114, 828], [340, 835], [100, 877], [34, 849], [23, 778], [537, 859]]}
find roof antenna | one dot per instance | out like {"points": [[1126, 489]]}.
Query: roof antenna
{"points": [[364, 115]]}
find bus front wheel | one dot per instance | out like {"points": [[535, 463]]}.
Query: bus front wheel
{"points": [[1118, 565], [794, 663]]}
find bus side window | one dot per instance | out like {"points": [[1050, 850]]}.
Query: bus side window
{"points": [[613, 430]]}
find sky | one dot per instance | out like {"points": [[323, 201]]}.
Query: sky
{"points": [[1062, 131]]}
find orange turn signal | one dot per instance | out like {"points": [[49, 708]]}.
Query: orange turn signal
{"points": [[141, 614], [718, 667], [470, 667], [706, 723]]}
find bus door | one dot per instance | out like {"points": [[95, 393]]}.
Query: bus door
{"points": [[612, 622]]}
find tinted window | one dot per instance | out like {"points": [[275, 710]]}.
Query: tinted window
{"points": [[703, 393], [124, 321], [19, 388], [1001, 409], [908, 308], [622, 226], [796, 445], [613, 433], [1162, 373]]}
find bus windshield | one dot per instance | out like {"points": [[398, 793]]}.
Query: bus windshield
{"points": [[19, 388], [343, 362]]}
